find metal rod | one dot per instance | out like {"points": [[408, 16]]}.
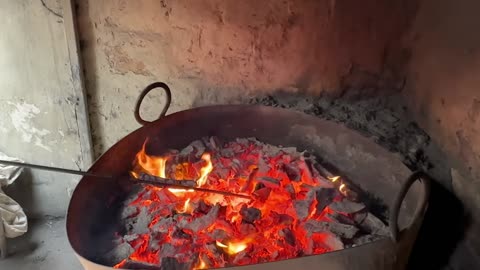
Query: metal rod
{"points": [[152, 180], [168, 185], [53, 169]]}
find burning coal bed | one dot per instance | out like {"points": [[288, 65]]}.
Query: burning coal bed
{"points": [[296, 208]]}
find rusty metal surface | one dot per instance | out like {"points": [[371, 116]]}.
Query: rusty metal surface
{"points": [[93, 210]]}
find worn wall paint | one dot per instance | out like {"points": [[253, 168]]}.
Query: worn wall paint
{"points": [[444, 93], [37, 104], [209, 49]]}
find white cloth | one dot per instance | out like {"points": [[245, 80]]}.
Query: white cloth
{"points": [[12, 217]]}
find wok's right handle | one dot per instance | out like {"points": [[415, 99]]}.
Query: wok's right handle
{"points": [[3, 241], [422, 204], [144, 92]]}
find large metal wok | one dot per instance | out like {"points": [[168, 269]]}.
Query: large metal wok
{"points": [[92, 218]]}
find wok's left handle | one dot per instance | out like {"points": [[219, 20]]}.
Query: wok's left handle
{"points": [[421, 207], [144, 92]]}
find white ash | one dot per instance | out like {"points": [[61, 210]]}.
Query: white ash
{"points": [[347, 207], [342, 230], [120, 252], [302, 207], [374, 225], [201, 223], [141, 221]]}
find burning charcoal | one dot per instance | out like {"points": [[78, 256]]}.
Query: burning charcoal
{"points": [[281, 219], [342, 230], [319, 179], [259, 186], [365, 239], [163, 225], [262, 166], [208, 263], [243, 141], [324, 197], [227, 153], [130, 237], [292, 172], [288, 236], [156, 240], [236, 164], [201, 223], [347, 207], [218, 234], [250, 214], [167, 250], [269, 182], [302, 207], [165, 196], [169, 263], [323, 171], [341, 218], [129, 211], [360, 216], [215, 142], [262, 194], [290, 189], [331, 241], [120, 252], [322, 241], [186, 151], [180, 234], [240, 258], [141, 222], [247, 229], [270, 150], [374, 225], [199, 148], [212, 248], [203, 207], [249, 183]]}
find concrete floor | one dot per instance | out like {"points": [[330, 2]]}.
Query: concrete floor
{"points": [[44, 247]]}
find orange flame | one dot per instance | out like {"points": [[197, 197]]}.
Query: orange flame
{"points": [[205, 170], [233, 248], [151, 164], [334, 178], [187, 208], [220, 244], [201, 264], [343, 189]]}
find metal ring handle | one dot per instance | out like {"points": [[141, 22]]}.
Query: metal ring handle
{"points": [[394, 214], [142, 95]]}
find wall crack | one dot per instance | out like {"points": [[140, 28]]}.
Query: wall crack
{"points": [[50, 10]]}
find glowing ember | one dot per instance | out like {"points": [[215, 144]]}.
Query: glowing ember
{"points": [[290, 212]]}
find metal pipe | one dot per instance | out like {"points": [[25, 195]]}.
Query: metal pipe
{"points": [[53, 169], [150, 179]]}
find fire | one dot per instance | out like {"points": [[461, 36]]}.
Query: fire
{"points": [[233, 248], [204, 171], [220, 244], [342, 187], [201, 265], [186, 207], [334, 178], [151, 164]]}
